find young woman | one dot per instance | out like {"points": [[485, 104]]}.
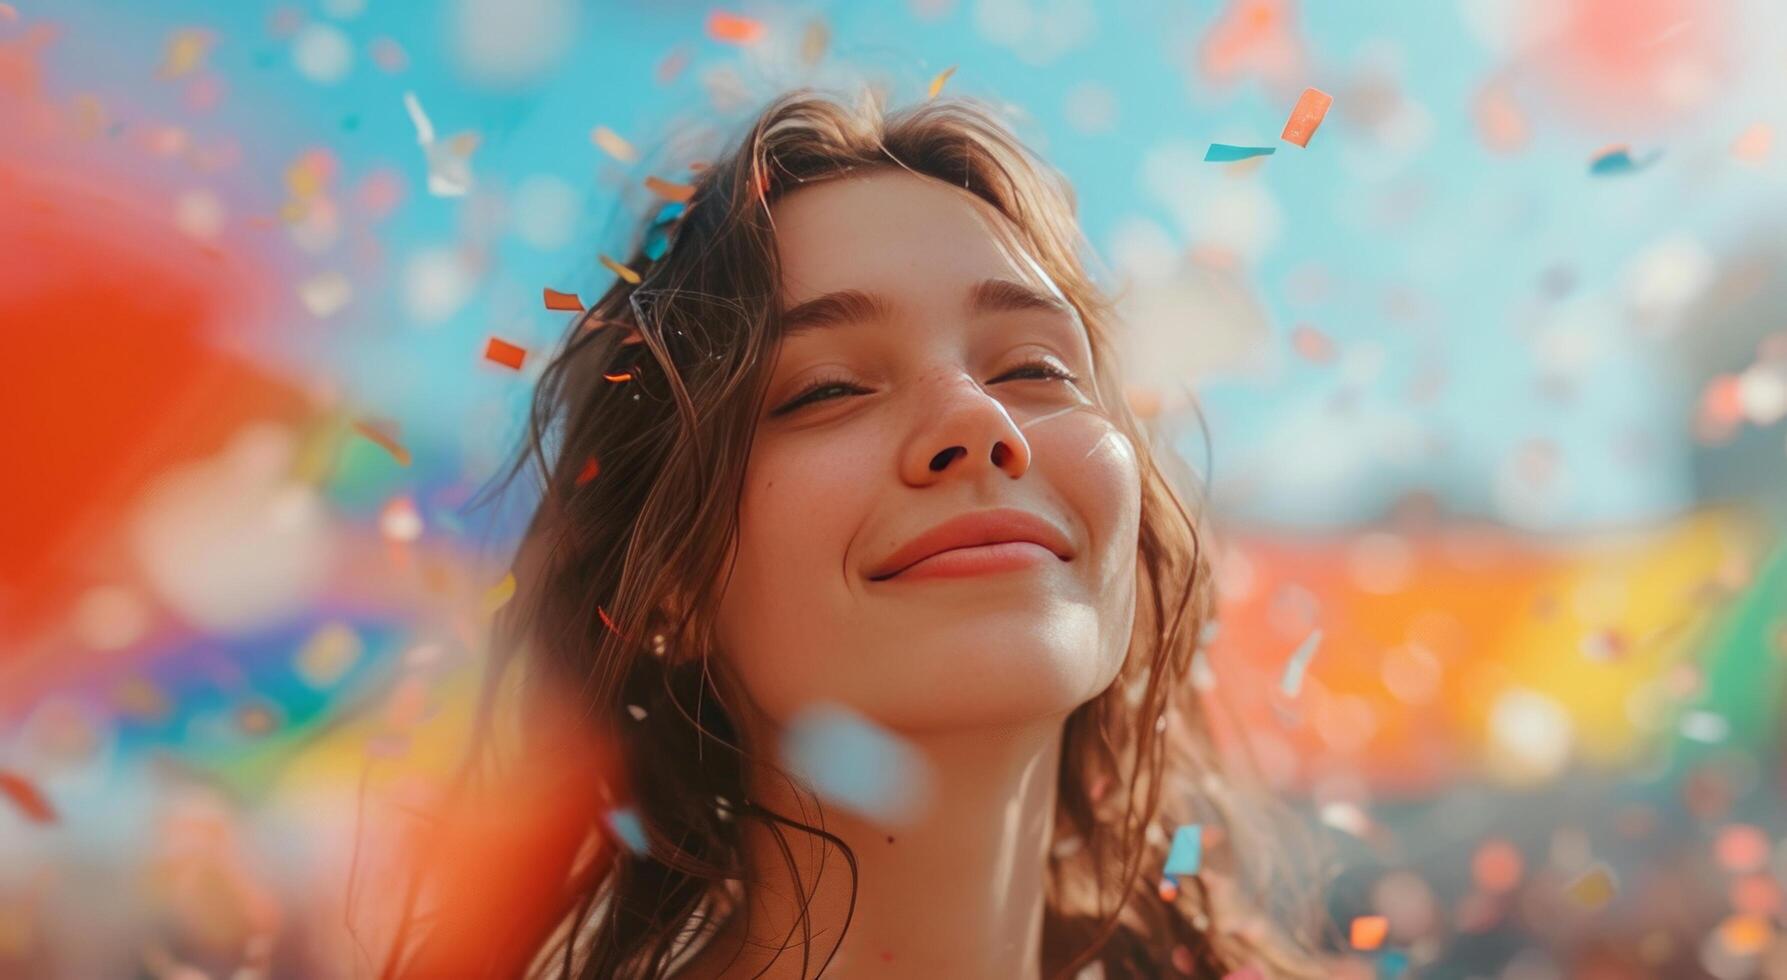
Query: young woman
{"points": [[855, 439]]}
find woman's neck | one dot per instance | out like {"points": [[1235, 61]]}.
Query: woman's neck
{"points": [[958, 892]]}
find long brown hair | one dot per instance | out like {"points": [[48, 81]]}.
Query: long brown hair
{"points": [[640, 430]]}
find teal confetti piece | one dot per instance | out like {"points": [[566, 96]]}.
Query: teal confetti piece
{"points": [[853, 763], [657, 237], [1618, 161], [1224, 153], [627, 826], [1187, 854]]}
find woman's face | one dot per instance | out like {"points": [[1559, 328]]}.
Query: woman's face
{"points": [[940, 404]]}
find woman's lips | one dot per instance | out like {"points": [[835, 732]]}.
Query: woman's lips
{"points": [[984, 559]]}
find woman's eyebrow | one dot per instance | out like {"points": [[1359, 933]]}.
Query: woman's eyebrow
{"points": [[850, 306]]}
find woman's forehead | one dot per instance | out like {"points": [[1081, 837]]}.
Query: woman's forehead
{"points": [[896, 230]]}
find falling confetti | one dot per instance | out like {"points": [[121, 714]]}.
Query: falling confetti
{"points": [[1368, 931], [850, 761], [1752, 145], [1225, 153], [941, 80], [617, 377], [1187, 853], [1311, 109], [498, 595], [1705, 726], [500, 351], [631, 277], [588, 472], [627, 826], [185, 52], [25, 796], [613, 144], [606, 621], [732, 28], [328, 655], [1593, 888], [325, 293], [670, 189], [384, 441], [1616, 160], [1292, 681], [256, 719], [568, 302], [814, 42], [449, 170]]}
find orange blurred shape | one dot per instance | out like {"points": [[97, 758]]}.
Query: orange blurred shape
{"points": [[1757, 894], [1630, 65], [1368, 931], [109, 312], [1745, 935], [1753, 144], [1497, 866], [502, 855], [1742, 848], [1253, 37], [1500, 123]]}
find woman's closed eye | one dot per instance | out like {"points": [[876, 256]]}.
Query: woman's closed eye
{"points": [[821, 390]]}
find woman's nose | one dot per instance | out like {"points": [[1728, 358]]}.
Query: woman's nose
{"points": [[965, 432]]}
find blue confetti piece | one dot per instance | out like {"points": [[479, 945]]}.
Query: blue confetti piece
{"points": [[657, 237], [1618, 161], [1224, 153], [1187, 854], [628, 827], [1391, 964], [850, 761]]}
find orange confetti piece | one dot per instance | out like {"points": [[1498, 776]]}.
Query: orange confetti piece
{"points": [[617, 378], [185, 52], [620, 270], [1745, 934], [1369, 931], [670, 190], [732, 28], [504, 353], [613, 144], [384, 441], [1500, 123], [1311, 109], [25, 795], [941, 80], [672, 65], [1311, 344], [568, 302], [462, 144], [1752, 145], [589, 471], [814, 42], [256, 719]]}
